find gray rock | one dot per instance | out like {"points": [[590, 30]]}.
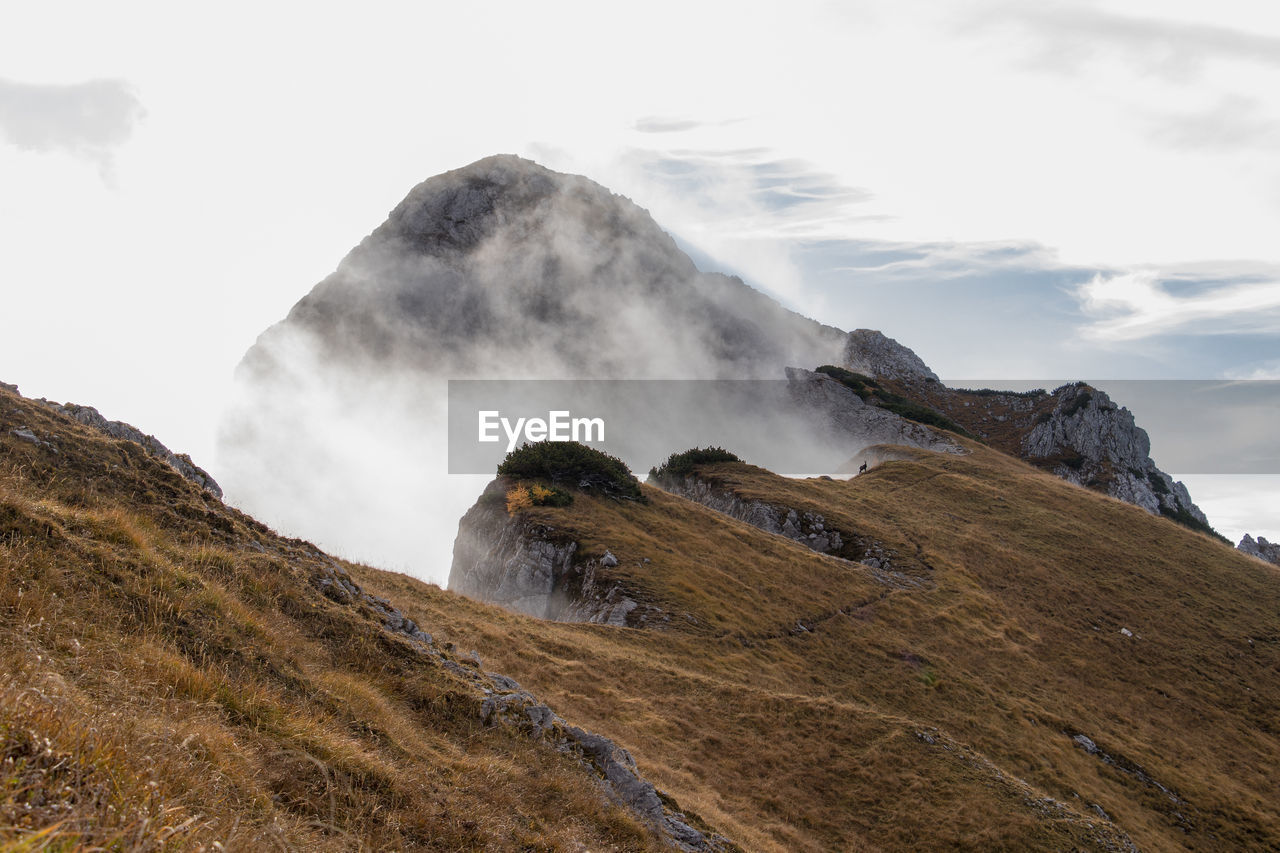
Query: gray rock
{"points": [[808, 528], [847, 417], [1261, 548], [24, 434], [870, 353], [181, 462], [532, 569], [1086, 743], [1091, 441]]}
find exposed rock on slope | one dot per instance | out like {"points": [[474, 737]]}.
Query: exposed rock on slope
{"points": [[1261, 548], [1076, 432], [89, 416], [535, 569], [843, 413], [1089, 440], [869, 352]]}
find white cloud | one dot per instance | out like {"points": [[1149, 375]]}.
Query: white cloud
{"points": [[1139, 304], [88, 120]]}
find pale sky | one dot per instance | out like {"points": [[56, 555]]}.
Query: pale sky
{"points": [[1012, 189]]}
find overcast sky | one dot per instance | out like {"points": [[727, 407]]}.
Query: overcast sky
{"points": [[1012, 189]]}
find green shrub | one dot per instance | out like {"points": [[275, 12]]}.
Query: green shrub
{"points": [[1186, 519], [575, 465], [1077, 404], [682, 464], [989, 392], [856, 382]]}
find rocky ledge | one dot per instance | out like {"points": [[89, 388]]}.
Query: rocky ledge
{"points": [[91, 417], [532, 568]]}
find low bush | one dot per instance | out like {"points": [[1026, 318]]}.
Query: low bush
{"points": [[575, 465], [682, 464]]}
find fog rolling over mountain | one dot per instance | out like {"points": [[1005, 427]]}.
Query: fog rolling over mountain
{"points": [[501, 269]]}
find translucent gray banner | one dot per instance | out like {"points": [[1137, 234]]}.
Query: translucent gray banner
{"points": [[799, 426]]}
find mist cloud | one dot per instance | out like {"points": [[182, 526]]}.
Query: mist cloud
{"points": [[87, 120]]}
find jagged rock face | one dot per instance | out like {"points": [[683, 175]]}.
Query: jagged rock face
{"points": [[1090, 441], [845, 413], [870, 353], [534, 569], [1261, 548]]}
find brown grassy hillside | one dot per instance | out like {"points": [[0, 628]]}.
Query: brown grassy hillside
{"points": [[803, 704], [173, 676]]}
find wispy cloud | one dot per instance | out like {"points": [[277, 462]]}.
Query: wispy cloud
{"points": [[1133, 305], [1234, 122], [1069, 34], [88, 120], [676, 124], [756, 193]]}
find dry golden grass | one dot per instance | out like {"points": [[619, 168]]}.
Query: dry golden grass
{"points": [[170, 678], [1010, 646]]}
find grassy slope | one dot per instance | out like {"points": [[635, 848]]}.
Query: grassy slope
{"points": [[810, 740], [171, 678], [170, 672]]}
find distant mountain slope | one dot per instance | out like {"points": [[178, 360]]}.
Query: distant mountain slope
{"points": [[992, 659]]}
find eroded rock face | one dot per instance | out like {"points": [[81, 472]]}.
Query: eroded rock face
{"points": [[846, 414], [534, 569], [1089, 440], [808, 528], [870, 353], [1261, 548]]}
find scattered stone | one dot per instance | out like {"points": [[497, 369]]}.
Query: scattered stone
{"points": [[608, 560], [1086, 743], [1126, 632]]}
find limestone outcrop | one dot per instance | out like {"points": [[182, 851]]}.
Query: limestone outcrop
{"points": [[1261, 548], [535, 569], [1089, 440]]}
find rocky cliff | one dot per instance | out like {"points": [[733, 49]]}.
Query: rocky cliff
{"points": [[1261, 548], [1087, 439], [533, 568]]}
